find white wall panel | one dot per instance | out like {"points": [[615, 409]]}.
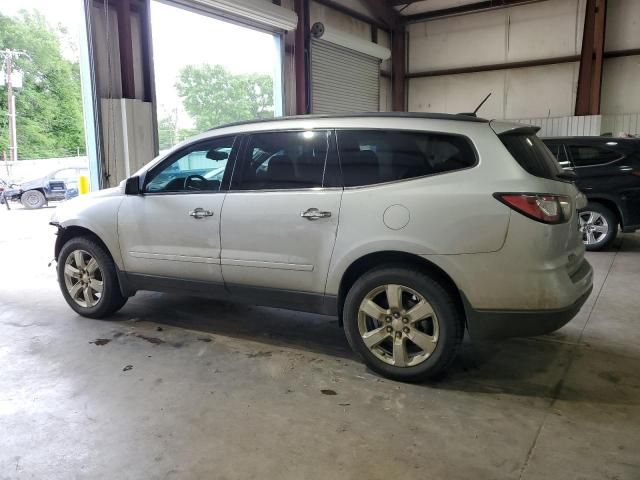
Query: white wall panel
{"points": [[623, 25], [545, 30], [541, 91], [517, 93], [539, 30], [621, 123], [127, 136], [621, 85], [458, 93], [457, 41]]}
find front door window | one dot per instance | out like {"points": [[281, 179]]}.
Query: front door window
{"points": [[199, 168]]}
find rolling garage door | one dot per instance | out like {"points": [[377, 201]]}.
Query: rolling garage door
{"points": [[343, 80]]}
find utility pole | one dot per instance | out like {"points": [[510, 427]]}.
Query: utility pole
{"points": [[9, 55]]}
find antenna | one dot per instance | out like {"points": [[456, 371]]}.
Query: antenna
{"points": [[482, 103]]}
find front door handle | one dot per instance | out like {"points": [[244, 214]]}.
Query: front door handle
{"points": [[314, 214], [198, 213]]}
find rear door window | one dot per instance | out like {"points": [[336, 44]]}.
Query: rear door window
{"points": [[590, 155], [285, 160], [368, 157], [531, 153]]}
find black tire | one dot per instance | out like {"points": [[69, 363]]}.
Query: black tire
{"points": [[450, 320], [612, 226], [111, 299], [33, 199]]}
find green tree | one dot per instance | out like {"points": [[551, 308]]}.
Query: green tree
{"points": [[212, 95], [169, 133], [49, 120]]}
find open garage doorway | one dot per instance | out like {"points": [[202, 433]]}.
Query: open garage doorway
{"points": [[209, 72], [42, 127]]}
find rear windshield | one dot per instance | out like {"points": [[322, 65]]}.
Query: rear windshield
{"points": [[532, 154]]}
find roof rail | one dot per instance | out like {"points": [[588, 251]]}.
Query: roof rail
{"points": [[461, 117]]}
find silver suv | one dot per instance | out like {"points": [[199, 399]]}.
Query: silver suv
{"points": [[407, 227]]}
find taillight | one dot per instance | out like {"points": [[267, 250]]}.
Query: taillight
{"points": [[545, 208]]}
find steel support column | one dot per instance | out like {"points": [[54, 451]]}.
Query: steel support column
{"points": [[398, 69], [123, 9], [590, 77], [301, 56]]}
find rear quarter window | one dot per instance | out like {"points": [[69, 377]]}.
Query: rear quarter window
{"points": [[532, 154], [591, 155], [368, 157]]}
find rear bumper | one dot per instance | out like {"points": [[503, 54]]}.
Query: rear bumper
{"points": [[496, 324]]}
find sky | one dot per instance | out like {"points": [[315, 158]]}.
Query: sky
{"points": [[65, 12], [180, 38]]}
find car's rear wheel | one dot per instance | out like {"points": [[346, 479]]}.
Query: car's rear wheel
{"points": [[88, 278], [404, 324], [599, 226], [33, 199]]}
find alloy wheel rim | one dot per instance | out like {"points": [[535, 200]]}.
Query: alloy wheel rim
{"points": [[83, 278], [32, 200], [398, 325], [594, 227]]}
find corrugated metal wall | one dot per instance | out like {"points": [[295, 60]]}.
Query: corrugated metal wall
{"points": [[565, 126], [626, 122], [343, 80], [585, 125]]}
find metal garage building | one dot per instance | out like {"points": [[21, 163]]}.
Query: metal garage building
{"points": [[574, 57]]}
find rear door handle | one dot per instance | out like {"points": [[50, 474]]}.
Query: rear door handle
{"points": [[198, 213], [314, 214]]}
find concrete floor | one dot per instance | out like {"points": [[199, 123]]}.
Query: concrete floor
{"points": [[179, 387]]}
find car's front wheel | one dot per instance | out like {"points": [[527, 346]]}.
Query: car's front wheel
{"points": [[404, 324], [88, 278], [33, 199]]}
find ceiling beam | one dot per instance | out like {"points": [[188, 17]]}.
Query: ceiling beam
{"points": [[384, 12], [466, 9], [339, 7]]}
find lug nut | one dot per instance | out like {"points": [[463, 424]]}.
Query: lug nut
{"points": [[389, 329], [398, 335], [405, 329], [388, 319], [396, 315], [405, 320]]}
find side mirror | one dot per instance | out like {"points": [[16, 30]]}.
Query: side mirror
{"points": [[132, 186]]}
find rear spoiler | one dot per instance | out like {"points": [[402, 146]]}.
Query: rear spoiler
{"points": [[511, 128]]}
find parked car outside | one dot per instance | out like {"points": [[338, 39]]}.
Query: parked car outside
{"points": [[407, 227], [52, 187], [608, 172]]}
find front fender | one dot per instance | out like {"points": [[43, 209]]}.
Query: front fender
{"points": [[97, 214]]}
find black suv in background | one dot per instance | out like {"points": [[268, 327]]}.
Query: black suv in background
{"points": [[608, 172], [60, 184]]}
